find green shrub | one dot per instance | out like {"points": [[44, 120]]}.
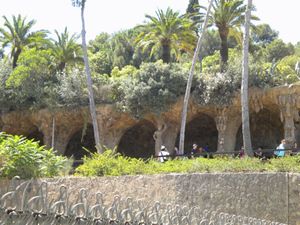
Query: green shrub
{"points": [[113, 164], [25, 158], [109, 164]]}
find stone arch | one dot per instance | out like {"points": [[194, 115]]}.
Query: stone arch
{"points": [[138, 140], [35, 134], [79, 141], [201, 130], [266, 130]]}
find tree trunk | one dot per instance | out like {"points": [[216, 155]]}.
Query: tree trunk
{"points": [[189, 82], [166, 53], [224, 49], [244, 88], [15, 58], [89, 84]]}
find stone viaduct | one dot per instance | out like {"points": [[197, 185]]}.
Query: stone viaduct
{"points": [[274, 114]]}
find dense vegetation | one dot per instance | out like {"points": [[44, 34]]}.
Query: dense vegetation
{"points": [[111, 164], [26, 159], [143, 68]]}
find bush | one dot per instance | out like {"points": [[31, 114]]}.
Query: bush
{"points": [[113, 164], [26, 159], [109, 164], [152, 89]]}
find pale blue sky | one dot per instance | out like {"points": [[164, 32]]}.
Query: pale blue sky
{"points": [[111, 16]]}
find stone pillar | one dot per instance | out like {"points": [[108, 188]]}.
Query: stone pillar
{"points": [[288, 113], [221, 123], [157, 136], [169, 136], [45, 127]]}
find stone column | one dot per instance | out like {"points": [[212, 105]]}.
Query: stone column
{"points": [[288, 113], [157, 136], [44, 125], [221, 123], [169, 136]]}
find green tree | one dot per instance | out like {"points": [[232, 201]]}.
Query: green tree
{"points": [[100, 53], [81, 4], [167, 34], [263, 34], [277, 50], [228, 16], [66, 50], [17, 34], [123, 48]]}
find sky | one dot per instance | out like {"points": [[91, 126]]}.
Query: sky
{"points": [[112, 16]]}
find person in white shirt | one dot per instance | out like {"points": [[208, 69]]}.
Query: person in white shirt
{"points": [[163, 154], [280, 150]]}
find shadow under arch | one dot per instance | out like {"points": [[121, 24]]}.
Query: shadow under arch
{"points": [[36, 135], [80, 140], [201, 130], [266, 130], [138, 141]]}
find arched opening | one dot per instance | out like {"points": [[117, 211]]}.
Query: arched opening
{"points": [[138, 141], [36, 135], [81, 139], [202, 131], [266, 130]]}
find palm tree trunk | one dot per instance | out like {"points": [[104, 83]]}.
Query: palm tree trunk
{"points": [[89, 84], [244, 88], [224, 50], [16, 57], [189, 82], [166, 53]]}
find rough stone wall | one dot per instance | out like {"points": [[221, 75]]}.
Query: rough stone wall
{"points": [[283, 102], [272, 196]]}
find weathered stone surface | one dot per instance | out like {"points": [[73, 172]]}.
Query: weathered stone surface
{"points": [[280, 103], [271, 196]]}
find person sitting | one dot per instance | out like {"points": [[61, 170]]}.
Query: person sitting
{"points": [[195, 150], [295, 149], [280, 150], [163, 154], [241, 152], [258, 153]]}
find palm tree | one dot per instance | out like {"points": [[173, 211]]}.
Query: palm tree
{"points": [[168, 34], [244, 87], [189, 82], [18, 35], [81, 4], [66, 49], [228, 16]]}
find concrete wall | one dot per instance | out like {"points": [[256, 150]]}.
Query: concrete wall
{"points": [[272, 196]]}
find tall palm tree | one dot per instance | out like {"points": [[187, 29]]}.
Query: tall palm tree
{"points": [[66, 49], [228, 16], [189, 82], [167, 34], [81, 4], [244, 87], [17, 34]]}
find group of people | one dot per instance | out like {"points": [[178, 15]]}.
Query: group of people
{"points": [[281, 151], [196, 150]]}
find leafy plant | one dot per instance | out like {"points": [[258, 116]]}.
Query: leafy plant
{"points": [[113, 164], [25, 158]]}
